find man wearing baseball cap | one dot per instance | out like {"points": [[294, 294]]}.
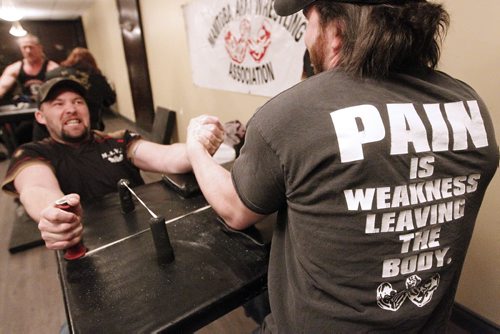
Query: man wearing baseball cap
{"points": [[83, 165], [377, 167]]}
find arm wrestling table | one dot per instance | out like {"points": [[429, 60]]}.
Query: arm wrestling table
{"points": [[119, 284]]}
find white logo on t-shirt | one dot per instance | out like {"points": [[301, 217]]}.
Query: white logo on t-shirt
{"points": [[113, 156], [418, 292]]}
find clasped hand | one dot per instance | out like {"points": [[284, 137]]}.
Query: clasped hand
{"points": [[61, 228], [205, 132]]}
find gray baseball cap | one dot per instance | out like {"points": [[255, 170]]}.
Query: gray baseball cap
{"points": [[46, 90], [288, 7]]}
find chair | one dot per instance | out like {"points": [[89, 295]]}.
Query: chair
{"points": [[163, 126], [25, 233]]}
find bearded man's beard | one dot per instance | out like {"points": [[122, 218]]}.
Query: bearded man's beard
{"points": [[317, 54], [71, 139]]}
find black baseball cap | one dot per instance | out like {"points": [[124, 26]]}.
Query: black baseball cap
{"points": [[288, 7], [47, 89]]}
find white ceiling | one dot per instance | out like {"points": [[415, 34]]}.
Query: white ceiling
{"points": [[52, 9]]}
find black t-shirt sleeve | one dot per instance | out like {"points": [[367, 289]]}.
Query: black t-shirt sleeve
{"points": [[258, 175], [23, 157], [130, 137]]}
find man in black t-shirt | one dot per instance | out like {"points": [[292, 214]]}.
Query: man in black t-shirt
{"points": [[377, 166], [85, 164]]}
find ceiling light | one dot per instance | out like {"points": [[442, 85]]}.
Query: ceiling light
{"points": [[17, 29], [9, 12]]}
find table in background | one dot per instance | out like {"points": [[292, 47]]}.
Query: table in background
{"points": [[119, 286], [10, 114]]}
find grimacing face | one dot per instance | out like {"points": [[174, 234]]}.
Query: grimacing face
{"points": [[66, 117]]}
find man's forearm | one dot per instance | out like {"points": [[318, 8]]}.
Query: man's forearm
{"points": [[205, 134], [214, 181], [7, 80], [3, 90], [179, 160], [153, 157], [35, 199], [217, 187]]}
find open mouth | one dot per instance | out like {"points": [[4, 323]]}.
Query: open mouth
{"points": [[72, 122]]}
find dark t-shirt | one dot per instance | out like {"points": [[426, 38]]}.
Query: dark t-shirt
{"points": [[377, 185], [92, 170]]}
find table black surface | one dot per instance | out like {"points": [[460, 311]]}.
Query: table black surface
{"points": [[9, 115], [120, 287]]}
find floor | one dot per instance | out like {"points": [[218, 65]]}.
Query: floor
{"points": [[31, 299]]}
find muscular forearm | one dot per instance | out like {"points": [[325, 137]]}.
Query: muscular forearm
{"points": [[205, 133], [158, 158], [39, 189], [5, 84], [8, 79], [217, 187], [35, 199], [177, 161], [3, 90]]}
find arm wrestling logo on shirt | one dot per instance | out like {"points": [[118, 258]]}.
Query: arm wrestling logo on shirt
{"points": [[418, 292]]}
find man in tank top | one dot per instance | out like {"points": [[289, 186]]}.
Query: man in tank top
{"points": [[21, 80], [28, 72]]}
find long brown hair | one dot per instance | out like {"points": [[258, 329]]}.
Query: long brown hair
{"points": [[380, 39], [81, 59]]}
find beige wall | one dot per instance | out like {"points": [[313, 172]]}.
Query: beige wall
{"points": [[102, 31], [471, 53], [170, 71]]}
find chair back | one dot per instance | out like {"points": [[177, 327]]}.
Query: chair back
{"points": [[163, 125]]}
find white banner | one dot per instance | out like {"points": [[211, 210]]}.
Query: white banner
{"points": [[244, 46]]}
